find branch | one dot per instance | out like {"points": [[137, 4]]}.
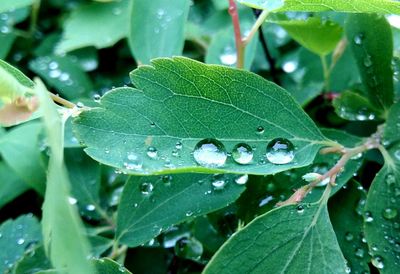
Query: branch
{"points": [[238, 37]]}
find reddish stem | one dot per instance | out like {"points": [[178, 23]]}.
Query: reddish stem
{"points": [[238, 37]]}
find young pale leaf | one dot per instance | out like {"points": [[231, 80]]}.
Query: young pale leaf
{"points": [[371, 41], [290, 239], [64, 242], [16, 236], [346, 215], [150, 204], [354, 106], [356, 6], [308, 33], [11, 186], [13, 83], [96, 24], [179, 102], [20, 150], [157, 28], [66, 76], [7, 5], [382, 215], [392, 126]]}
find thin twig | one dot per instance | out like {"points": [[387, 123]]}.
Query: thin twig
{"points": [[260, 20], [34, 16], [238, 37], [62, 101]]}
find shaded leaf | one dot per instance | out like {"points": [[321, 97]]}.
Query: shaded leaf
{"points": [[81, 29], [173, 105], [63, 232], [285, 240], [152, 204], [106, 265], [308, 33], [16, 236], [33, 261], [7, 5], [163, 34], [392, 126], [11, 186], [370, 39]]}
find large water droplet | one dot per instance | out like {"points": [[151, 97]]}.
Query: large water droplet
{"points": [[188, 248], [134, 161], [242, 179], [389, 213], [377, 261], [228, 56], [152, 152], [280, 151], [242, 153], [210, 153], [146, 188]]}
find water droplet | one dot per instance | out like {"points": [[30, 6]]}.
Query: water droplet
{"points": [[5, 29], [219, 182], [300, 209], [368, 217], [242, 153], [280, 151], [242, 179], [389, 213], [20, 241], [53, 65], [290, 66], [260, 130], [178, 145], [189, 213], [188, 248], [228, 56], [152, 152], [166, 179], [72, 200], [359, 253], [146, 188], [377, 261], [64, 77], [358, 39], [349, 236], [55, 73], [90, 207], [116, 11], [367, 61], [134, 161], [210, 153], [97, 98]]}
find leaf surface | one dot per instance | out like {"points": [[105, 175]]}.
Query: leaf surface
{"points": [[180, 100], [11, 186], [157, 28], [170, 200]]}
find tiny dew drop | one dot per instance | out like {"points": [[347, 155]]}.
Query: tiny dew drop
{"points": [[368, 217], [358, 39], [300, 209], [134, 161], [219, 182], [377, 261], [146, 188], [349, 236], [280, 151], [359, 252], [90, 207], [390, 179], [210, 153], [389, 213], [260, 130], [178, 145], [367, 61], [96, 98], [166, 179], [20, 241], [242, 153], [242, 179], [152, 152]]}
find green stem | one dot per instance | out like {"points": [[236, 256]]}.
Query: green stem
{"points": [[326, 72], [260, 20], [34, 16]]}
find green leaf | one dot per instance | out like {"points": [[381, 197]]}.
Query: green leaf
{"points": [[16, 236], [106, 265], [152, 204], [11, 186], [308, 33], [82, 29], [63, 232], [33, 261], [357, 6], [66, 76], [13, 83], [382, 215], [353, 106], [290, 239], [180, 100], [157, 28], [222, 49], [7, 5], [371, 41], [20, 150], [392, 126], [348, 225]]}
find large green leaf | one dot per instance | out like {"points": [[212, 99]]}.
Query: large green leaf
{"points": [[11, 185], [20, 150], [392, 125], [290, 239], [308, 33], [150, 204], [382, 215], [357, 6], [63, 232], [95, 24], [347, 222], [157, 28], [7, 5], [371, 41], [15, 236], [33, 261], [180, 100]]}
